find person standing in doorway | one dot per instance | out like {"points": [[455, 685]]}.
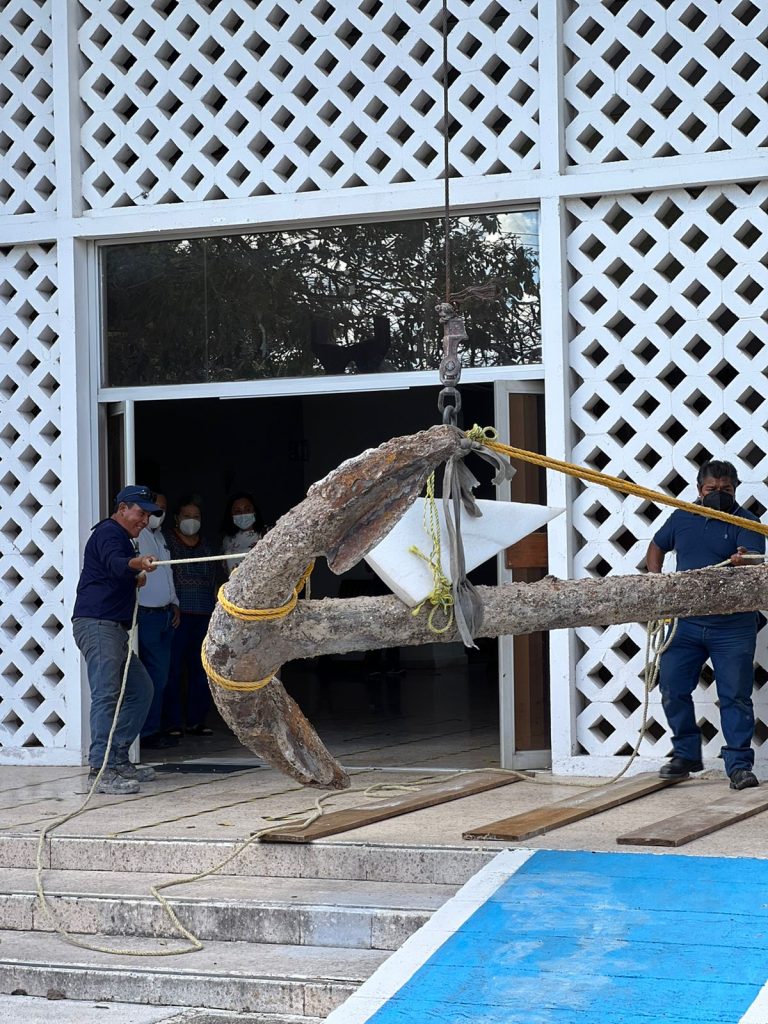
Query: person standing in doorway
{"points": [[195, 587], [101, 619], [727, 640], [242, 527], [159, 617]]}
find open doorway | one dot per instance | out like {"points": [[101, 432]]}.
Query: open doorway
{"points": [[433, 706]]}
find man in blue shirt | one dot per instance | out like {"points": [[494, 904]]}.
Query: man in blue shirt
{"points": [[106, 597], [727, 640]]}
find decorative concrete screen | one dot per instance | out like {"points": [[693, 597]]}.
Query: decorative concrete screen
{"points": [[664, 79], [228, 100], [669, 348], [32, 640], [27, 172], [638, 129]]}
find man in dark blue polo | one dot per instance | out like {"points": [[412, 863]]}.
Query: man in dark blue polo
{"points": [[727, 640], [104, 606]]}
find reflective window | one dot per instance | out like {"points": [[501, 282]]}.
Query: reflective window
{"points": [[329, 300]]}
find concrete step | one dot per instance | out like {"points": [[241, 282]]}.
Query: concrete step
{"points": [[443, 865], [297, 911], [246, 977], [35, 1010]]}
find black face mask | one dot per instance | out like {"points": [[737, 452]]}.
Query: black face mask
{"points": [[720, 500]]}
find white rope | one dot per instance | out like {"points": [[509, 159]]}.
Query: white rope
{"points": [[200, 558], [195, 943], [657, 644]]}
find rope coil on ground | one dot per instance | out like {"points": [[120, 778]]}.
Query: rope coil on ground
{"points": [[194, 943], [659, 639]]}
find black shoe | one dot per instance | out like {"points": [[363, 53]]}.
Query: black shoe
{"points": [[199, 730], [680, 768], [139, 772], [157, 741], [743, 778]]}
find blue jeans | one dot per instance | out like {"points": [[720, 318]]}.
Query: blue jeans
{"points": [[104, 645], [732, 652], [155, 642], [185, 653]]}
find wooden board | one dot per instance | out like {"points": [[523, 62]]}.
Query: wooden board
{"points": [[696, 822], [529, 553], [356, 817], [573, 808]]}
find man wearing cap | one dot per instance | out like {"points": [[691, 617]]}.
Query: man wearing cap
{"points": [[104, 606]]}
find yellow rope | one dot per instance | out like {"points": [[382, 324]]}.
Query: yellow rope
{"points": [[252, 615], [487, 436], [441, 597], [265, 614], [232, 684]]}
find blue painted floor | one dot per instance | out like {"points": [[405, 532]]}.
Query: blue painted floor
{"points": [[602, 938]]}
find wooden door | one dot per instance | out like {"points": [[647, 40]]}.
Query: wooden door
{"points": [[527, 561]]}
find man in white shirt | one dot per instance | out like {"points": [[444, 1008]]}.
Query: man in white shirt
{"points": [[158, 617]]}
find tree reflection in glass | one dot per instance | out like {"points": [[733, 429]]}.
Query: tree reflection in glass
{"points": [[327, 300]]}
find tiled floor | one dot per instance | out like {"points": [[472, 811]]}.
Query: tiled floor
{"points": [[582, 938], [424, 716]]}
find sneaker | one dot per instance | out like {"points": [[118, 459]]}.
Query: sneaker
{"points": [[139, 772], [743, 778], [679, 768], [112, 783]]}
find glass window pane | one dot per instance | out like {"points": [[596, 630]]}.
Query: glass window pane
{"points": [[332, 300]]}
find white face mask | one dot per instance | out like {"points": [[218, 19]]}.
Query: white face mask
{"points": [[189, 527], [155, 522], [244, 521]]}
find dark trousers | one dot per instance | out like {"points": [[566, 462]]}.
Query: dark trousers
{"points": [[731, 648], [104, 645], [185, 653], [155, 641]]}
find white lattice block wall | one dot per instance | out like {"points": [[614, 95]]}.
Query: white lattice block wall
{"points": [[665, 79], [27, 172], [225, 100], [32, 635], [669, 357]]}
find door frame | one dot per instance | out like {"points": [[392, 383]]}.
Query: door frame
{"points": [[510, 756], [112, 412], [527, 380]]}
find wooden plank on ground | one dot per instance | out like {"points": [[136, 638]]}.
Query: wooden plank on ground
{"points": [[696, 822], [431, 795], [573, 808]]}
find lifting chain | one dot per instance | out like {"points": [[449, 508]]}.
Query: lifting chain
{"points": [[454, 333]]}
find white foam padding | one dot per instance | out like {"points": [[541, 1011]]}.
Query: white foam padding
{"points": [[502, 524]]}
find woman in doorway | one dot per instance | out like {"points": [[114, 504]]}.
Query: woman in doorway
{"points": [[242, 527], [195, 588]]}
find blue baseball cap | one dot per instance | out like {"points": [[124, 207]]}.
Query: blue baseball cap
{"points": [[134, 494]]}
